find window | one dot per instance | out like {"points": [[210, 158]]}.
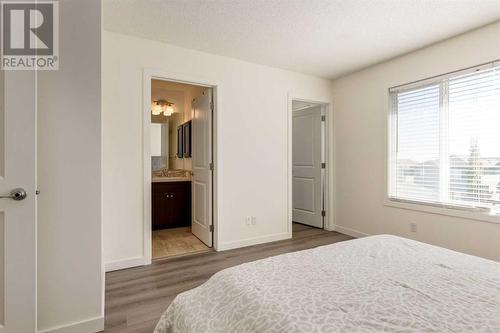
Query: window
{"points": [[445, 140]]}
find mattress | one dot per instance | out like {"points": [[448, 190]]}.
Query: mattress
{"points": [[375, 284]]}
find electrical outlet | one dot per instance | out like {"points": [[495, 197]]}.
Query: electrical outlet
{"points": [[254, 220], [248, 220], [413, 227]]}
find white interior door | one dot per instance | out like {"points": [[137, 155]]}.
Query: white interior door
{"points": [[201, 162], [307, 191], [17, 217]]}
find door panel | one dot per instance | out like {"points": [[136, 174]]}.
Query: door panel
{"points": [[307, 193], [200, 200], [17, 217], [201, 159], [304, 194]]}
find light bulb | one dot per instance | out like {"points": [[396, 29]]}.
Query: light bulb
{"points": [[169, 110], [156, 110]]}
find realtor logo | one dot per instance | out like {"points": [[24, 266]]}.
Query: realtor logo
{"points": [[30, 35]]}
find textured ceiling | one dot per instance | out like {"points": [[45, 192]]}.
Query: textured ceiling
{"points": [[327, 38]]}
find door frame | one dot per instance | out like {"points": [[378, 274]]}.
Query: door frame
{"points": [[329, 179], [159, 74]]}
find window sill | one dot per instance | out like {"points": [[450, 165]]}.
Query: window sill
{"points": [[464, 214]]}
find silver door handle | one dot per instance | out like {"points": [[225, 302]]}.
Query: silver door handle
{"points": [[16, 194]]}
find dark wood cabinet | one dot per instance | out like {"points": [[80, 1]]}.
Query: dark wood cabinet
{"points": [[171, 204]]}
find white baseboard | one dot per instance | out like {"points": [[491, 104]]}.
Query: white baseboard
{"points": [[92, 325], [349, 231], [253, 241], [125, 263]]}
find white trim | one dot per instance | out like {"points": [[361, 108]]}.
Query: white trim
{"points": [[148, 75], [103, 259], [93, 325], [124, 263], [146, 160], [453, 212], [391, 123], [349, 232], [327, 110], [254, 241]]}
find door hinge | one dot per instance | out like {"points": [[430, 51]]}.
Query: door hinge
{"points": [[211, 166], [323, 165], [212, 106], [323, 118], [211, 228], [323, 213]]}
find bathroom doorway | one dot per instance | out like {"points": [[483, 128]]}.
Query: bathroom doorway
{"points": [[179, 142]]}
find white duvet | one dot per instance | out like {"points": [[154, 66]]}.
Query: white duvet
{"points": [[374, 284]]}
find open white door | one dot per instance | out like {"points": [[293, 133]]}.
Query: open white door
{"points": [[201, 162], [307, 192], [17, 213]]}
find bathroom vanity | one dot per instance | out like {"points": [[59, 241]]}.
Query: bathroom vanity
{"points": [[171, 202]]}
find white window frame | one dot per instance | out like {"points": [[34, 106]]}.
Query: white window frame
{"points": [[474, 213]]}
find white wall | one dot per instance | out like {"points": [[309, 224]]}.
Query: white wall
{"points": [[360, 103], [252, 152], [70, 276]]}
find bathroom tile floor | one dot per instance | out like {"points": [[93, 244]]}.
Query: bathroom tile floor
{"points": [[176, 242]]}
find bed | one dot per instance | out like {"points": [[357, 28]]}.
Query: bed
{"points": [[374, 284]]}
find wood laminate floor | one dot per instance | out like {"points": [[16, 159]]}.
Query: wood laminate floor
{"points": [[136, 297], [176, 242]]}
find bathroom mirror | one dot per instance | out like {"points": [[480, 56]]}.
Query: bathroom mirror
{"points": [[164, 142]]}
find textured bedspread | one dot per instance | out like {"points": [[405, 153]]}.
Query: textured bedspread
{"points": [[373, 284]]}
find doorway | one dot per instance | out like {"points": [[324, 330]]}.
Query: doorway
{"points": [[180, 171], [309, 167]]}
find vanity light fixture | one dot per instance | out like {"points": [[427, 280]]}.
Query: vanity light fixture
{"points": [[156, 109], [168, 110], [162, 106]]}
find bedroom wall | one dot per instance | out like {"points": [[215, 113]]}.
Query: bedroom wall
{"points": [[360, 103], [252, 168], [70, 272]]}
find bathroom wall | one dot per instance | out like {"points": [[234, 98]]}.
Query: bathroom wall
{"points": [[181, 95], [177, 97]]}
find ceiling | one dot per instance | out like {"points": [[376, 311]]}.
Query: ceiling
{"points": [[326, 38]]}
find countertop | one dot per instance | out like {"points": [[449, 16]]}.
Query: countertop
{"points": [[169, 176], [170, 179]]}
